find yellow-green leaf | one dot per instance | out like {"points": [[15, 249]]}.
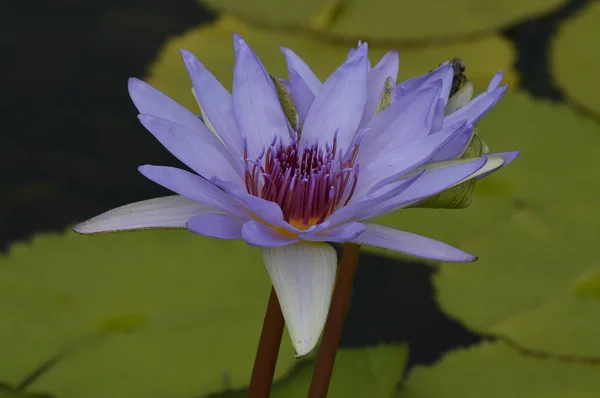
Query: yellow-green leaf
{"points": [[576, 60], [492, 370], [432, 19], [151, 313]]}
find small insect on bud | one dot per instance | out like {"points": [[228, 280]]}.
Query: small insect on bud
{"points": [[459, 78]]}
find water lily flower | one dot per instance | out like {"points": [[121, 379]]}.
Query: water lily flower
{"points": [[349, 152]]}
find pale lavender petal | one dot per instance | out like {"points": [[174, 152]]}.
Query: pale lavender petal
{"points": [[414, 121], [432, 182], [355, 209], [295, 63], [457, 145], [415, 245], [437, 117], [255, 102], [269, 212], [444, 73], [392, 165], [343, 233], [220, 226], [478, 107], [495, 82], [215, 101], [286, 84], [301, 94], [150, 101], [190, 147], [339, 103], [257, 234], [386, 67], [194, 187], [166, 212], [508, 157]]}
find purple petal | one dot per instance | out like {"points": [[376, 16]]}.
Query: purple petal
{"points": [[415, 245], [457, 145], [220, 226], [407, 157], [508, 157], [339, 104], [255, 102], [355, 210], [190, 147], [343, 233], [386, 67], [495, 82], [166, 212], [295, 63], [266, 211], [414, 121], [301, 94], [445, 73], [432, 182], [215, 101], [150, 101], [257, 234], [194, 187], [478, 107]]}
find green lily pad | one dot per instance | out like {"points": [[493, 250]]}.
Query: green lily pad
{"points": [[387, 19], [275, 11], [213, 44], [492, 370], [358, 372], [574, 63], [432, 19], [152, 313], [534, 226]]}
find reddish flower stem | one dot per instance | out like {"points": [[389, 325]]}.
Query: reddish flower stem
{"points": [[268, 350], [340, 301]]}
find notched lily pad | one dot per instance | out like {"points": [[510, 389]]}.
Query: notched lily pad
{"points": [[296, 13], [575, 64], [432, 19], [152, 313], [492, 370]]}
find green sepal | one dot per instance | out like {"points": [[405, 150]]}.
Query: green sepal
{"points": [[386, 95], [461, 195], [287, 104]]}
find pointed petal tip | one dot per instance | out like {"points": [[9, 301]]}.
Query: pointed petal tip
{"points": [[133, 83], [303, 275], [81, 229], [238, 42], [185, 54]]}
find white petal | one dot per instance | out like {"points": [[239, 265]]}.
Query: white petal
{"points": [[166, 212], [460, 98], [303, 275], [492, 163]]}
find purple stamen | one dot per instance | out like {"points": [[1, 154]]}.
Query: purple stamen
{"points": [[308, 185]]}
